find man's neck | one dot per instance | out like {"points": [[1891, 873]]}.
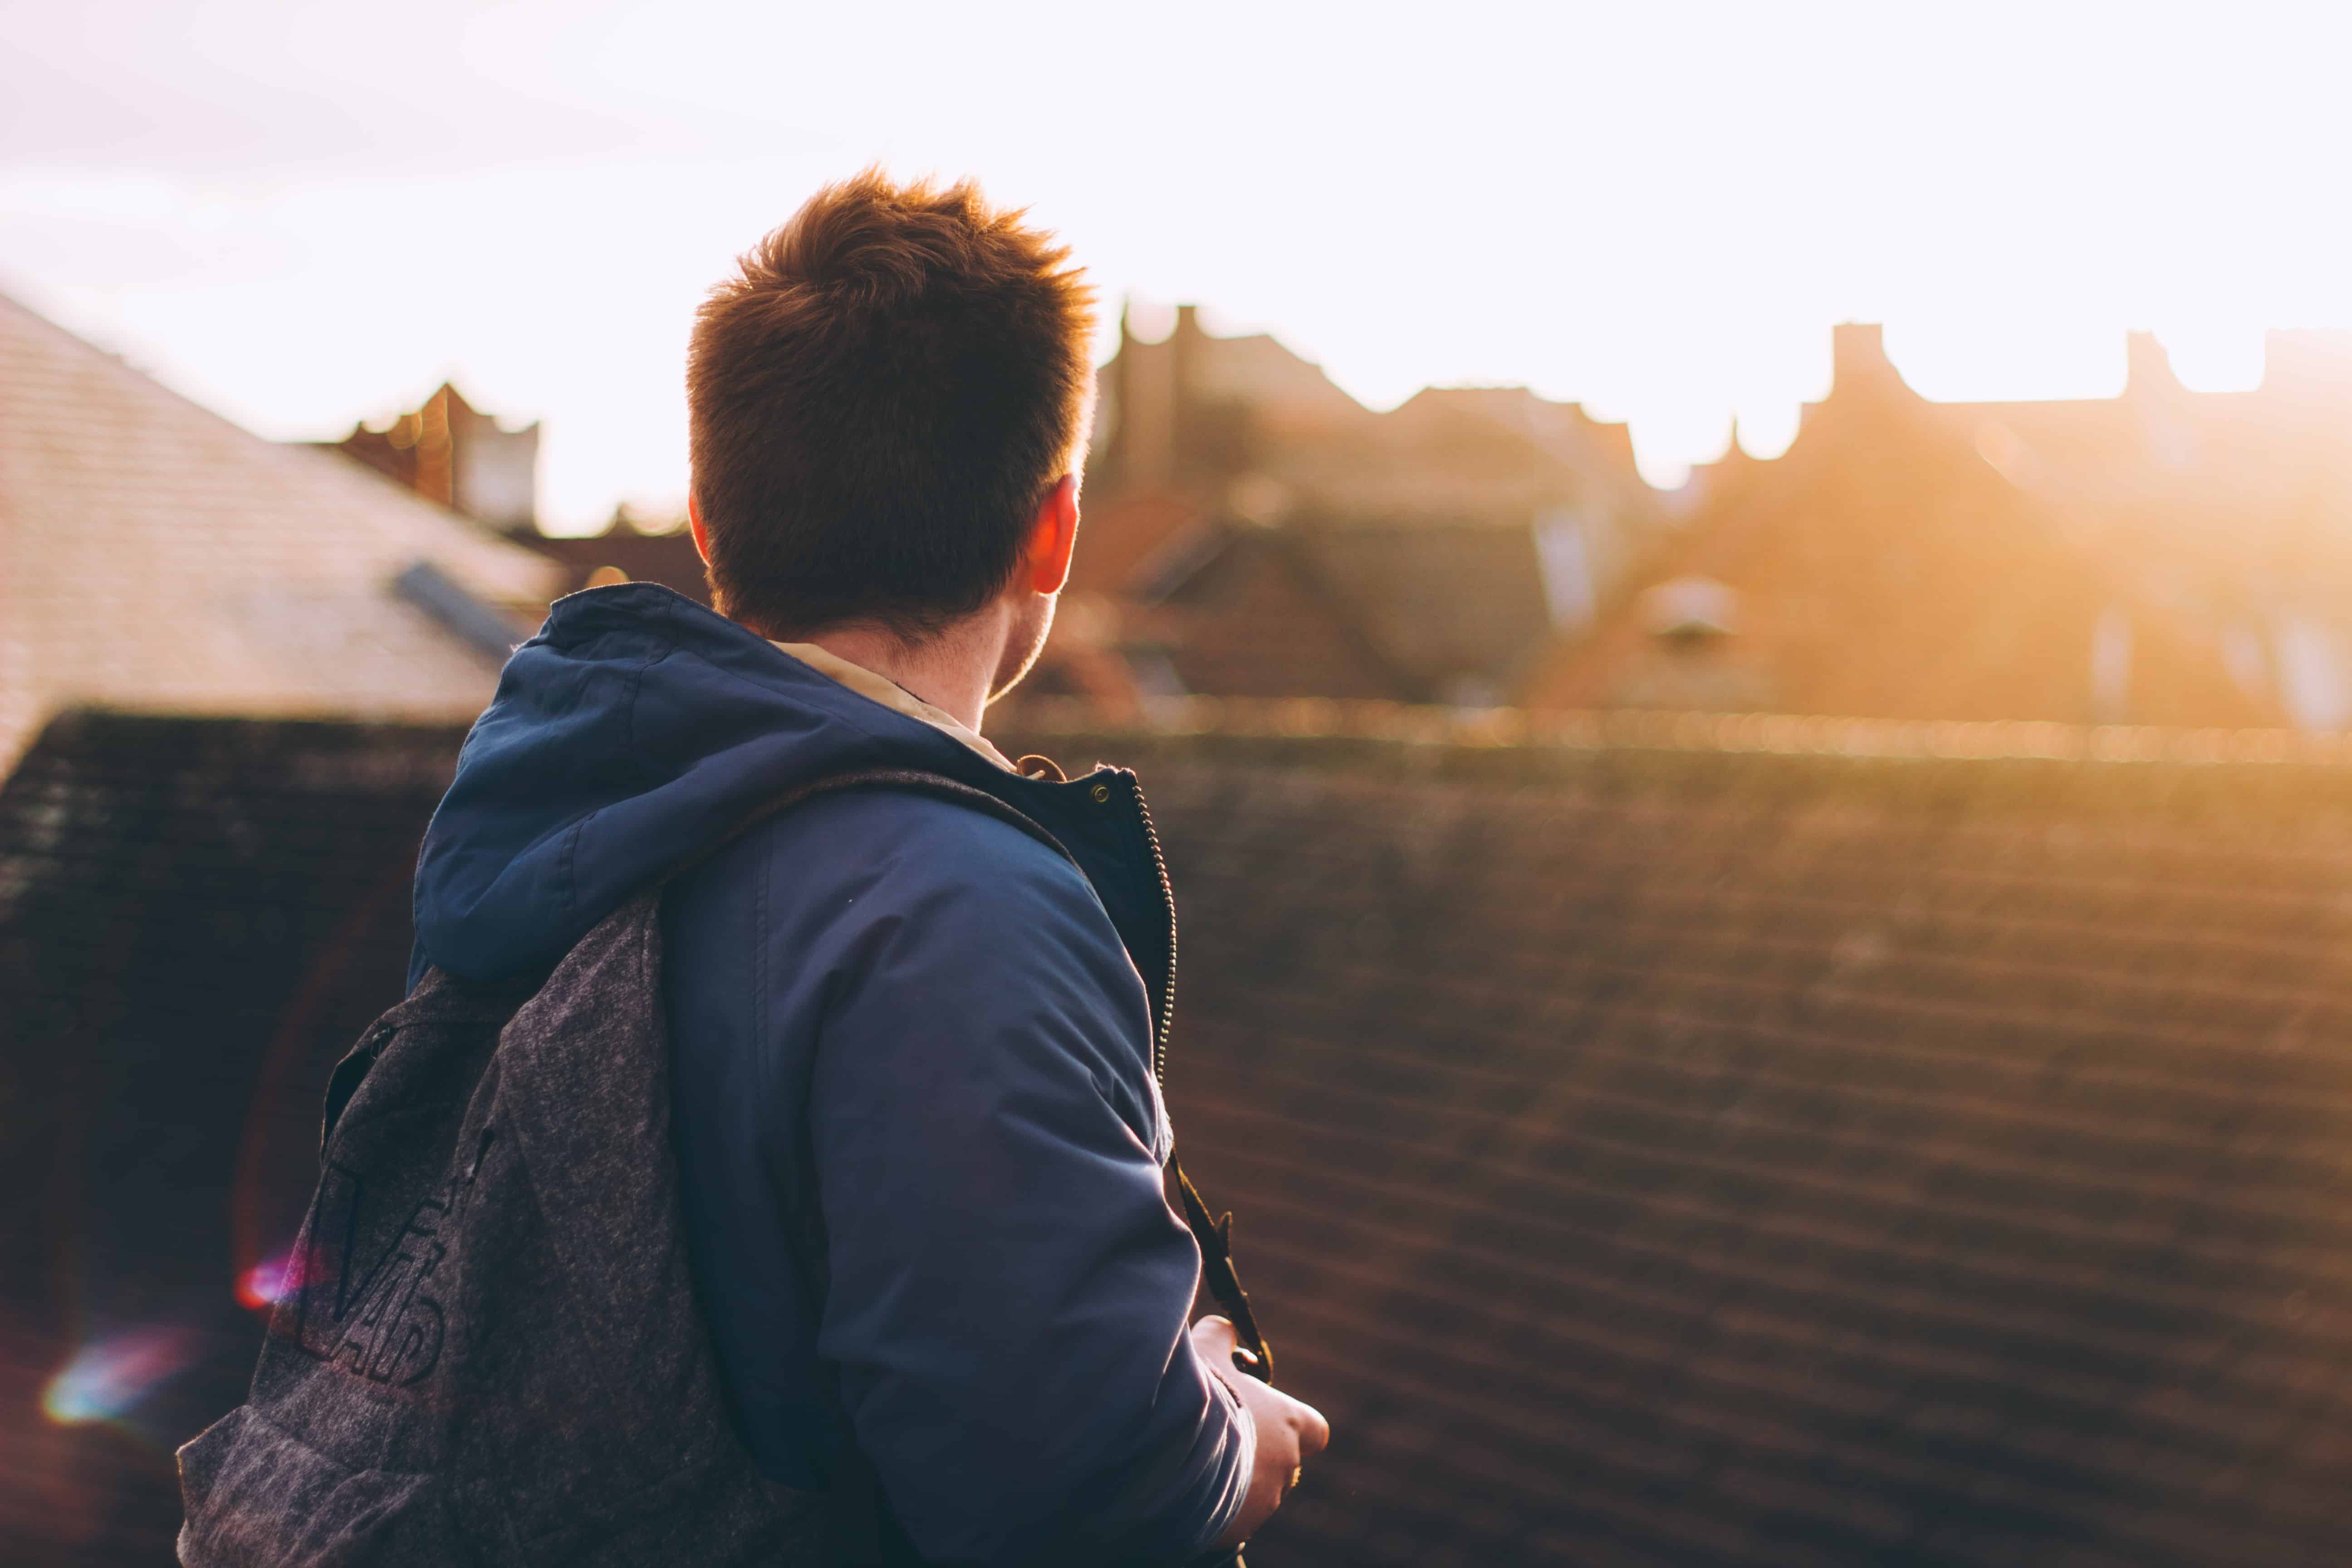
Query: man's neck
{"points": [[951, 671]]}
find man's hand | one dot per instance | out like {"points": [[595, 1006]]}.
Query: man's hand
{"points": [[1288, 1433]]}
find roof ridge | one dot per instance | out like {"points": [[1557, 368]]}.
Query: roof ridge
{"points": [[1771, 734]]}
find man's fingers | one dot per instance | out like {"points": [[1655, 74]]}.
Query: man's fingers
{"points": [[1219, 1343], [1308, 1434]]}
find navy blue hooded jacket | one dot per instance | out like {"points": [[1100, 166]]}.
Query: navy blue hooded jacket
{"points": [[907, 1010]]}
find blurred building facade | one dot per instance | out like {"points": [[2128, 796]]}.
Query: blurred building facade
{"points": [[455, 456], [2163, 557], [1252, 530]]}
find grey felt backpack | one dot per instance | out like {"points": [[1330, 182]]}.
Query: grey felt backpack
{"points": [[488, 1349]]}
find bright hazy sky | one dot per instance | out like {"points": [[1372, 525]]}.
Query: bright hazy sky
{"points": [[303, 214]]}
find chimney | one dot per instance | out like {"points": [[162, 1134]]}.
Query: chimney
{"points": [[1147, 407], [2149, 369], [1858, 356]]}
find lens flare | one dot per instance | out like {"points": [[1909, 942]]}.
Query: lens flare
{"points": [[107, 1379], [266, 1283]]}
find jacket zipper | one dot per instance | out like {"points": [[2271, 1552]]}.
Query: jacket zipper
{"points": [[1209, 1232], [1167, 898]]}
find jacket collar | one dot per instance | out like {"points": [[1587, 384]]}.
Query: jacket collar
{"points": [[891, 695]]}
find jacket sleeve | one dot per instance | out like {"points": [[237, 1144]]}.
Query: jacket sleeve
{"points": [[1008, 1288]]}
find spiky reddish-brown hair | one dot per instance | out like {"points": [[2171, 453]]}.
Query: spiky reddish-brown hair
{"points": [[878, 400]]}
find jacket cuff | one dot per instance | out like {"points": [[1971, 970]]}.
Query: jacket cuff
{"points": [[1240, 1464]]}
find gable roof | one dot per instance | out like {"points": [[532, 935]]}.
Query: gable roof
{"points": [[1249, 613], [1427, 610], [152, 554], [1256, 369], [1458, 610], [1446, 454]]}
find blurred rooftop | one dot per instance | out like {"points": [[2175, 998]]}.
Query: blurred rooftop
{"points": [[2160, 557], [1657, 1138], [154, 556]]}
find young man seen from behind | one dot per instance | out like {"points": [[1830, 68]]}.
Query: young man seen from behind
{"points": [[915, 1047]]}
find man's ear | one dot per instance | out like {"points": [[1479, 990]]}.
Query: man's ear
{"points": [[1046, 557], [694, 526]]}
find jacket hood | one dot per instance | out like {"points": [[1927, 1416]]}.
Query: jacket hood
{"points": [[632, 734]]}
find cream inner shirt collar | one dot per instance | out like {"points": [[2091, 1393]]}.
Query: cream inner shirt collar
{"points": [[891, 695]]}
